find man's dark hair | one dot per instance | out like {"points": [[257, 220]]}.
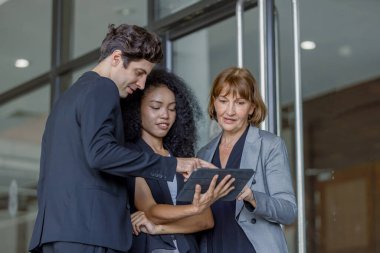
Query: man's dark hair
{"points": [[134, 42], [181, 138]]}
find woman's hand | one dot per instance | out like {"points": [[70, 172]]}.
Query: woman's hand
{"points": [[247, 195], [140, 223], [214, 192]]}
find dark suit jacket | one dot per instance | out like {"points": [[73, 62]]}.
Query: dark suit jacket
{"points": [[144, 243], [81, 191]]}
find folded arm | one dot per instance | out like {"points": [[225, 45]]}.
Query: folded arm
{"points": [[170, 219], [141, 223]]}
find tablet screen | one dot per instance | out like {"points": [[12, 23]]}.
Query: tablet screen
{"points": [[204, 176]]}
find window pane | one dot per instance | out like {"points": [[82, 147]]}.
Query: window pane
{"points": [[90, 30], [200, 56], [22, 122], [25, 28], [166, 7]]}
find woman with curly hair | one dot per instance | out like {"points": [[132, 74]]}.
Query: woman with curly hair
{"points": [[162, 119]]}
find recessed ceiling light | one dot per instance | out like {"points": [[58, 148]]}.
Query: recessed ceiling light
{"points": [[345, 51], [125, 11], [308, 45], [21, 63]]}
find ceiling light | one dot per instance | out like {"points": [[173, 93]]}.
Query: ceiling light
{"points": [[125, 11], [345, 51], [308, 45], [21, 63]]}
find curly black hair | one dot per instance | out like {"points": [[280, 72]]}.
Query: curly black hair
{"points": [[181, 138]]}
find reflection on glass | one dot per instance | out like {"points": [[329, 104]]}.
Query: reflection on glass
{"points": [[22, 122], [341, 86], [166, 7], [200, 56], [25, 28]]}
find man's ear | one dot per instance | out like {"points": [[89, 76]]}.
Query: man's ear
{"points": [[116, 57]]}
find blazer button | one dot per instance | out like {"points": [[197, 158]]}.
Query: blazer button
{"points": [[253, 181], [253, 220]]}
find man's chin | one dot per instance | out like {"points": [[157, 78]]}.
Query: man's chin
{"points": [[123, 95]]}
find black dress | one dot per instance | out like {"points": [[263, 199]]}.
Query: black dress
{"points": [[227, 236]]}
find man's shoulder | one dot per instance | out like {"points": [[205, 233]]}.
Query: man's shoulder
{"points": [[94, 85]]}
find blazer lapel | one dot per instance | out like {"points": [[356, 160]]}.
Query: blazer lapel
{"points": [[250, 157], [162, 184], [211, 147]]}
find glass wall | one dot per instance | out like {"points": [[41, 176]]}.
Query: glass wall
{"points": [[25, 28], [167, 7], [89, 30], [340, 61], [21, 126], [24, 36], [200, 56]]}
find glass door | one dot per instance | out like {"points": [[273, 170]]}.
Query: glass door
{"points": [[200, 55], [340, 60]]}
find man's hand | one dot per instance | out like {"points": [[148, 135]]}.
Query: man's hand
{"points": [[203, 201], [187, 165], [140, 223]]}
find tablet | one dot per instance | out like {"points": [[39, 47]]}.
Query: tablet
{"points": [[204, 176]]}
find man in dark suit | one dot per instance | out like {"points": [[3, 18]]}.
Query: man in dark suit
{"points": [[82, 198]]}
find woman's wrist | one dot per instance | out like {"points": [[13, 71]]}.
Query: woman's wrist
{"points": [[158, 229], [253, 200]]}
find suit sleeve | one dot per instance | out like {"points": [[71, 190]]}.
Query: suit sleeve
{"points": [[280, 205], [98, 116]]}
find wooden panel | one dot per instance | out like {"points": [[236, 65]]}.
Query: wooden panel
{"points": [[346, 226], [342, 134], [345, 211], [347, 140], [377, 206]]}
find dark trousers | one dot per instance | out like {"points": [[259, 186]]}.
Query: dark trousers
{"points": [[70, 247]]}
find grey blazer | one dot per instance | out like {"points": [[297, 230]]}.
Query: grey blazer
{"points": [[271, 185]]}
